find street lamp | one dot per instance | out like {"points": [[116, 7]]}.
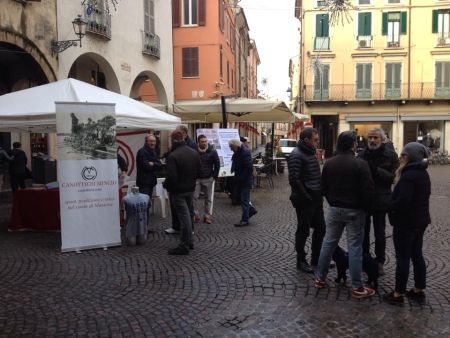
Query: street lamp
{"points": [[79, 27]]}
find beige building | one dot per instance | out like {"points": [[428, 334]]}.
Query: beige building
{"points": [[388, 67]]}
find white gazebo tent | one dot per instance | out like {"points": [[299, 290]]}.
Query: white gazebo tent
{"points": [[33, 109]]}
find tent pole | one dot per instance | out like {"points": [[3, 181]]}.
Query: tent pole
{"points": [[272, 137], [224, 112]]}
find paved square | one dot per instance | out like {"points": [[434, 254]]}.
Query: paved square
{"points": [[238, 282]]}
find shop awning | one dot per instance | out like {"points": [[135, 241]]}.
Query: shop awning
{"points": [[238, 110]]}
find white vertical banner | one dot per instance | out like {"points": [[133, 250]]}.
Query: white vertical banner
{"points": [[87, 175]]}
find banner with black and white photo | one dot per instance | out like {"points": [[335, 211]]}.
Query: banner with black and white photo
{"points": [[87, 175]]}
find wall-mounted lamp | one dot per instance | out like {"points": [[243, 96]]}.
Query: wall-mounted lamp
{"points": [[79, 27]]}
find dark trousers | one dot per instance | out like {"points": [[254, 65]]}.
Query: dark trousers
{"points": [[408, 247], [181, 203], [379, 230], [309, 215], [17, 181]]}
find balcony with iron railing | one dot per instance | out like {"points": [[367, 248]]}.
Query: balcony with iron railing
{"points": [[322, 43], [98, 21], [378, 92], [443, 39], [151, 44]]}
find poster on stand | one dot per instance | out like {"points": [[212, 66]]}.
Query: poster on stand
{"points": [[87, 175], [218, 139]]}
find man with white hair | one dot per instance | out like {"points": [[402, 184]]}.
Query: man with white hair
{"points": [[383, 163], [242, 167]]}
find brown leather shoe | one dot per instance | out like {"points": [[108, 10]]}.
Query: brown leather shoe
{"points": [[207, 219]]}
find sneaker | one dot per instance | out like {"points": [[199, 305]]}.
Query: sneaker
{"points": [[179, 251], [207, 220], [362, 292], [241, 224], [417, 296], [392, 299], [196, 217], [171, 231], [319, 284]]}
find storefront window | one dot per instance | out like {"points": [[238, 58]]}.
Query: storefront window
{"points": [[429, 133], [362, 129]]}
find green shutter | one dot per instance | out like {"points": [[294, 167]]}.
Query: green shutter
{"points": [[403, 23], [384, 29], [361, 24], [368, 24], [319, 25], [325, 25], [434, 27]]}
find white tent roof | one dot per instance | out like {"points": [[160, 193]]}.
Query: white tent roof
{"points": [[238, 110], [33, 109]]}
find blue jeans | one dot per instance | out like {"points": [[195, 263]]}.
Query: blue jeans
{"points": [[337, 219]]}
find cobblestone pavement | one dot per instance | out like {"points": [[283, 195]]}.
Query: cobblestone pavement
{"points": [[238, 282]]}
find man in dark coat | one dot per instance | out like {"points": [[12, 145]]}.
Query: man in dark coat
{"points": [[147, 163], [209, 171], [348, 187], [306, 197], [18, 170], [182, 166], [189, 142], [383, 163], [242, 167]]}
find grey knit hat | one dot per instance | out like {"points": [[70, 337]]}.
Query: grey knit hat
{"points": [[416, 151]]}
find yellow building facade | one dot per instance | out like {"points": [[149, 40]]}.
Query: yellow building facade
{"points": [[387, 66]]}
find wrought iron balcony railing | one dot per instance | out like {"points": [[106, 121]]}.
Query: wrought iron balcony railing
{"points": [[151, 44], [443, 39], [322, 43], [98, 21], [378, 91]]}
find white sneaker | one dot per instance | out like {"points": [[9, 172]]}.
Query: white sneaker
{"points": [[171, 231]]}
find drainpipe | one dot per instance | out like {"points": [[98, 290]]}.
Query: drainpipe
{"points": [[409, 50]]}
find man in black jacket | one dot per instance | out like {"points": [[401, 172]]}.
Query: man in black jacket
{"points": [[347, 185], [189, 142], [147, 163], [383, 163], [18, 170], [182, 166], [306, 197], [209, 171]]}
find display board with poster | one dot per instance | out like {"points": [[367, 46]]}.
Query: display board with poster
{"points": [[218, 139], [87, 175]]}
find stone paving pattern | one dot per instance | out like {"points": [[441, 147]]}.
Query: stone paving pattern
{"points": [[238, 282]]}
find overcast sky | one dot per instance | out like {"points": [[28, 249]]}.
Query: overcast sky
{"points": [[274, 28]]}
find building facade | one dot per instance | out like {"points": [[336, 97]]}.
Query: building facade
{"points": [[388, 67]]}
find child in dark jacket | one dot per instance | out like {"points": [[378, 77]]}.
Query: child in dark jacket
{"points": [[410, 215]]}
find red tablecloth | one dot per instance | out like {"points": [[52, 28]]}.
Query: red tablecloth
{"points": [[37, 209]]}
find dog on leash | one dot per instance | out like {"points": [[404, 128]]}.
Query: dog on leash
{"points": [[369, 266]]}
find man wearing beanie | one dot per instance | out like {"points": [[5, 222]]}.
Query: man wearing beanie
{"points": [[348, 187], [383, 163], [182, 166]]}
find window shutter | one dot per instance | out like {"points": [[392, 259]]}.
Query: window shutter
{"points": [[384, 29], [438, 68], [446, 74], [146, 16], [397, 74], [388, 75], [195, 70], [359, 76], [368, 24], [201, 12], [325, 25], [325, 76], [434, 27], [190, 62], [176, 20], [403, 23], [319, 32], [317, 79], [221, 15], [361, 21], [368, 83]]}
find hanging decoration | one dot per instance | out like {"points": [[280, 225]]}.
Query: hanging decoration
{"points": [[339, 11]]}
